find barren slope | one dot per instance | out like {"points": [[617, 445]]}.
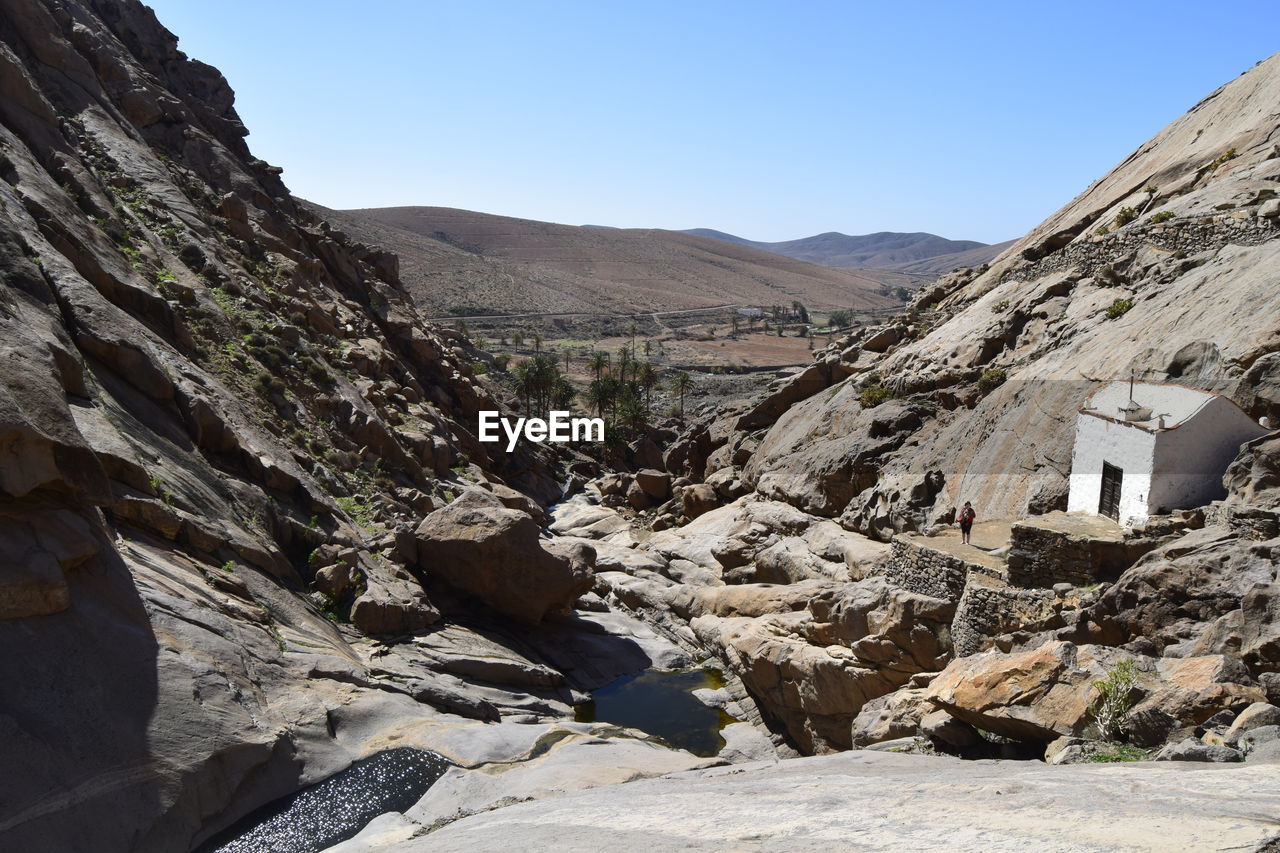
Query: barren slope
{"points": [[459, 261], [884, 250]]}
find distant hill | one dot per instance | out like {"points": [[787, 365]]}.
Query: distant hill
{"points": [[463, 262], [890, 250], [941, 264]]}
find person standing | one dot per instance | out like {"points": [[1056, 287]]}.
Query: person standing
{"points": [[967, 515]]}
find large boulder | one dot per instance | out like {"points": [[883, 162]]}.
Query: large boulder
{"points": [[479, 546], [698, 499], [814, 669], [393, 605], [656, 484], [1045, 693]]}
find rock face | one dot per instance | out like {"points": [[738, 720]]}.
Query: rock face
{"points": [[480, 547], [821, 803], [220, 420], [971, 394]]}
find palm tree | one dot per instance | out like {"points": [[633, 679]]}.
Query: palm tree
{"points": [[537, 342], [562, 393], [624, 362], [680, 384], [647, 377], [596, 397], [632, 413], [599, 363]]}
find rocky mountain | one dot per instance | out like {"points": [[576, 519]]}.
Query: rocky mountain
{"points": [[942, 264], [223, 421], [917, 252], [462, 262], [249, 540], [1162, 270]]}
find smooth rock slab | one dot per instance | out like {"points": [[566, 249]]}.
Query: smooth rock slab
{"points": [[885, 801]]}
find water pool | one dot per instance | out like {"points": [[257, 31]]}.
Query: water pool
{"points": [[662, 704], [335, 809]]}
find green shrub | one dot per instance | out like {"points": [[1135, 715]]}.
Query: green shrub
{"points": [[1102, 231], [1124, 216], [1230, 155], [991, 379], [1118, 308], [874, 395], [1114, 698], [317, 374], [1117, 752], [1000, 306], [1163, 216], [358, 511]]}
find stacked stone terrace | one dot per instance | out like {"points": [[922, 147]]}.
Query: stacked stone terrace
{"points": [[1018, 576]]}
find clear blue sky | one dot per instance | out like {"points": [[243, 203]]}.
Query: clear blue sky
{"points": [[765, 119]]}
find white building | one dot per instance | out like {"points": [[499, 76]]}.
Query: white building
{"points": [[1148, 448]]}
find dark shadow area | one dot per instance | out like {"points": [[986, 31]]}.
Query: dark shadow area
{"points": [[80, 688]]}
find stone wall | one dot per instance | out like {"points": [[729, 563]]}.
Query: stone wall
{"points": [[926, 571], [990, 607], [1042, 557], [1188, 235]]}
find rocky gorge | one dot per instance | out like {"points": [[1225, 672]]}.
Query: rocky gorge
{"points": [[248, 537]]}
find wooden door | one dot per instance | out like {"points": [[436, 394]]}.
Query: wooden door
{"points": [[1109, 501]]}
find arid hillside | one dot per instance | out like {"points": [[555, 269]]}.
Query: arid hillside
{"points": [[458, 262]]}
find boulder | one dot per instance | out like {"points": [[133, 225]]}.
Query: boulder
{"points": [[1046, 692], [656, 484], [393, 606], [814, 670], [1261, 744], [944, 729], [1040, 694], [481, 547], [698, 499], [1256, 716], [637, 497], [889, 717], [1194, 749]]}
